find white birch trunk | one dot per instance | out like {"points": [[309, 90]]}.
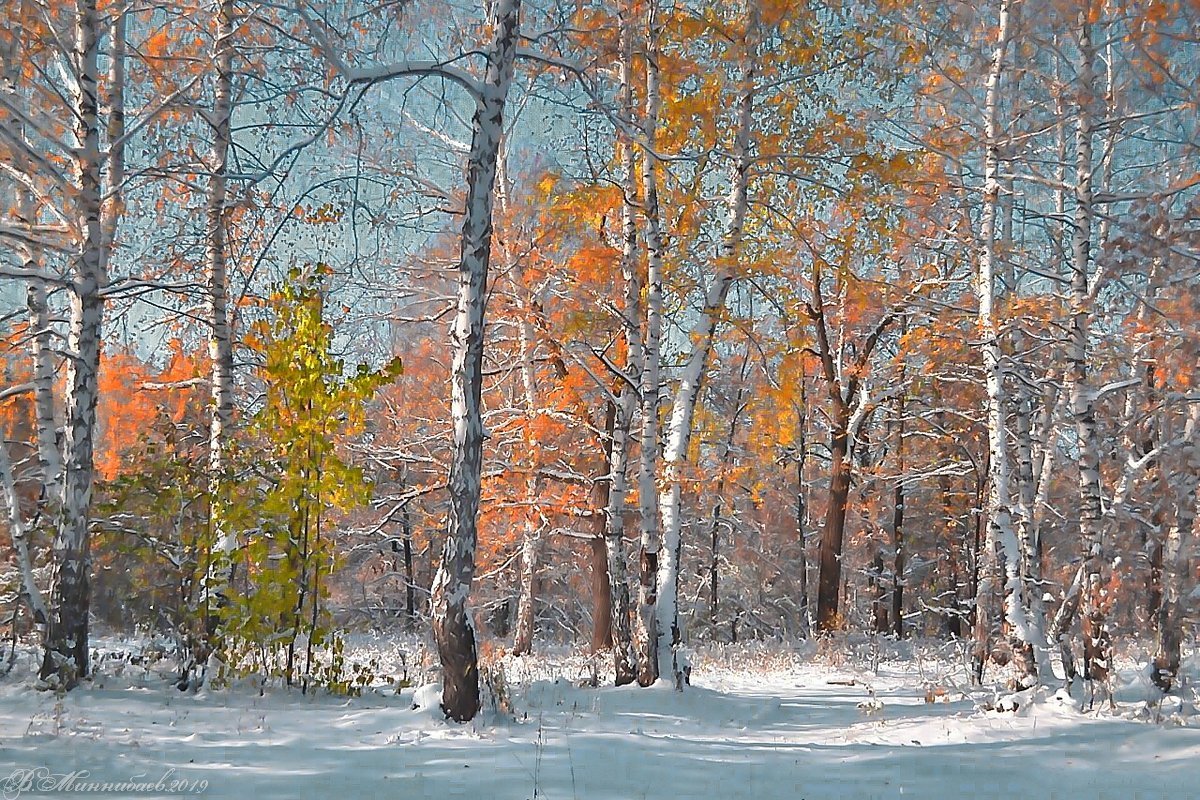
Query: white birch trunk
{"points": [[452, 626], [1001, 541], [49, 443], [1081, 393], [683, 408], [20, 540], [531, 537], [627, 400], [220, 338], [1027, 532], [651, 539], [66, 648], [218, 574], [42, 350], [1178, 547]]}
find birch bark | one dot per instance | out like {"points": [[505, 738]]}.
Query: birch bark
{"points": [[624, 659], [646, 634], [679, 426], [1097, 659], [220, 342], [1001, 543], [453, 628], [65, 660], [1178, 547]]}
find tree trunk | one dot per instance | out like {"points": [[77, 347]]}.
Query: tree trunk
{"points": [[30, 593], [1177, 550], [66, 647], [526, 612], [719, 498], [646, 630], [48, 440], [878, 589], [49, 443], [1097, 658], [1001, 542], [679, 427], [601, 599], [410, 587], [829, 579], [898, 510], [222, 541], [624, 664], [802, 508], [898, 560], [453, 629], [624, 658], [531, 538], [1027, 535]]}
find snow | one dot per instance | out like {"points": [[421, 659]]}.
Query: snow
{"points": [[757, 723]]}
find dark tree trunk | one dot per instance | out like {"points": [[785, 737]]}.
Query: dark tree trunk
{"points": [[410, 588], [1154, 581], [802, 509], [898, 562], [879, 593], [714, 556], [830, 578], [597, 551]]}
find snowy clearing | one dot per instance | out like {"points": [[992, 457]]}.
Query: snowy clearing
{"points": [[756, 724]]}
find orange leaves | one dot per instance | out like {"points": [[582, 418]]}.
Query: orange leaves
{"points": [[16, 411], [137, 402], [156, 46]]}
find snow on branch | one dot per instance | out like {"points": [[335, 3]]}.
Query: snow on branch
{"points": [[384, 72]]}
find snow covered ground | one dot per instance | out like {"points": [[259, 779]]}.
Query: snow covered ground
{"points": [[757, 723]]}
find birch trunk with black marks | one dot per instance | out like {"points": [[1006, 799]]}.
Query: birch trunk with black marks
{"points": [[1000, 543], [49, 444], [1097, 658], [28, 252], [624, 658], [679, 426], [65, 660], [19, 533], [1027, 533], [453, 629], [646, 631], [219, 573], [531, 534], [526, 585], [1178, 548]]}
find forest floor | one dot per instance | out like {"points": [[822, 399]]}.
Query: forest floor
{"points": [[758, 722]]}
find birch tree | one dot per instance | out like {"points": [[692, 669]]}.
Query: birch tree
{"points": [[84, 204], [678, 430], [453, 629], [1001, 543], [647, 635], [452, 626], [220, 337]]}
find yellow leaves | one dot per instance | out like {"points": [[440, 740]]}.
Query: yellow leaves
{"points": [[545, 186], [324, 214]]}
